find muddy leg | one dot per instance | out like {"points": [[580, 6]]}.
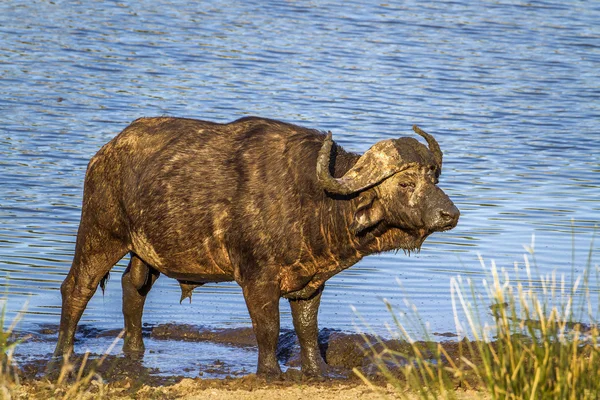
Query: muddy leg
{"points": [[304, 315], [95, 255], [262, 299], [136, 283]]}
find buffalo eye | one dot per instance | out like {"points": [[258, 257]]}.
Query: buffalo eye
{"points": [[407, 185], [433, 175]]}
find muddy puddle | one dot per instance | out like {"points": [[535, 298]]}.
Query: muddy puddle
{"points": [[175, 351]]}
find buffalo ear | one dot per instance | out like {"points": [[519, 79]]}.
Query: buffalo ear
{"points": [[368, 213]]}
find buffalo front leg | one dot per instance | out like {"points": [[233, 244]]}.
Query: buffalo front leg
{"points": [[137, 280], [304, 315], [262, 299], [95, 255]]}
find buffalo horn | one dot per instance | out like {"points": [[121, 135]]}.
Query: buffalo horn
{"points": [[434, 147], [379, 162]]}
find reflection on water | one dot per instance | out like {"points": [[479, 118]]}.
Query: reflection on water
{"points": [[510, 89]]}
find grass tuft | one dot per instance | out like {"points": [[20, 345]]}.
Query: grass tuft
{"points": [[522, 339], [72, 382]]}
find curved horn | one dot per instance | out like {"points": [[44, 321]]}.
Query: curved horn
{"points": [[378, 163], [434, 147], [327, 181]]}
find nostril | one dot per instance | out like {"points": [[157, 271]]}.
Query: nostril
{"points": [[446, 216]]}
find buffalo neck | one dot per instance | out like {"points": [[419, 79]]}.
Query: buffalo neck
{"points": [[340, 213], [337, 215]]}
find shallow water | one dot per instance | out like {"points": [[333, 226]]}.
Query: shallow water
{"points": [[510, 89]]}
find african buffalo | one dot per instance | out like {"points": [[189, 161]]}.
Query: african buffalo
{"points": [[277, 208]]}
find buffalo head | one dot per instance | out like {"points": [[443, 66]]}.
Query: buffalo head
{"points": [[396, 185]]}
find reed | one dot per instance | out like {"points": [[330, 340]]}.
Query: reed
{"points": [[519, 339]]}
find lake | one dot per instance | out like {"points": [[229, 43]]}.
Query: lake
{"points": [[510, 89]]}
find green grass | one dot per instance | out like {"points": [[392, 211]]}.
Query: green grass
{"points": [[522, 339]]}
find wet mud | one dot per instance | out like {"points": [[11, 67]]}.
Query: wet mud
{"points": [[341, 350]]}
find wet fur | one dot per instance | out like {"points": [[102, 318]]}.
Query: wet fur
{"points": [[204, 202]]}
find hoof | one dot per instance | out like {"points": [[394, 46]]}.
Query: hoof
{"points": [[317, 369], [270, 374]]}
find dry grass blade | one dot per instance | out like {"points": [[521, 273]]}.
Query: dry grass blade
{"points": [[84, 383], [8, 370]]}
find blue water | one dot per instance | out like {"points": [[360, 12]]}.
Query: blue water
{"points": [[510, 89]]}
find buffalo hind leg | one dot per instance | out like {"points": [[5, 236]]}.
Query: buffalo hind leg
{"points": [[262, 299], [304, 315], [137, 280], [96, 252]]}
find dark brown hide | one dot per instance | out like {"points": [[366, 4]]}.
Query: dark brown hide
{"points": [[204, 202]]}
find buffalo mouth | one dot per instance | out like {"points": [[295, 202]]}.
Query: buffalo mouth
{"points": [[418, 236], [397, 238], [446, 227]]}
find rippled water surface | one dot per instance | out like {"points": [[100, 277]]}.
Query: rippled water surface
{"points": [[510, 89]]}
